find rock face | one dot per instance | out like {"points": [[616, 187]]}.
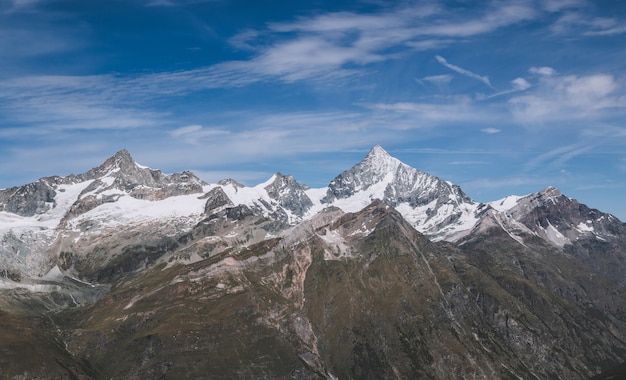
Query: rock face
{"points": [[289, 194], [215, 199], [596, 238], [34, 198], [124, 272], [122, 173]]}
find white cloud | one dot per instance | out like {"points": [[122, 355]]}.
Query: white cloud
{"points": [[423, 115], [520, 84], [462, 71], [182, 131], [430, 44], [544, 70], [322, 46], [491, 131], [504, 182], [578, 23], [607, 32], [438, 79], [568, 98], [517, 85], [48, 104], [559, 156], [500, 15], [469, 163], [197, 134]]}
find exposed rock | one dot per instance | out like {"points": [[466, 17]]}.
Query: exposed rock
{"points": [[289, 194], [28, 200], [215, 199]]}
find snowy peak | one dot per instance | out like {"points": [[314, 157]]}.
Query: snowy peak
{"points": [[121, 172], [376, 168], [281, 197], [557, 218], [378, 150], [119, 162], [378, 158], [121, 159], [434, 207], [230, 182]]}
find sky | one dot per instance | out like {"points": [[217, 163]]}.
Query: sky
{"points": [[499, 97]]}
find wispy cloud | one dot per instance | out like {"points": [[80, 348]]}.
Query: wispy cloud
{"points": [[559, 156], [196, 134], [498, 15], [578, 23], [462, 71], [458, 109], [503, 182], [337, 44], [517, 85], [491, 131], [438, 79], [271, 134], [469, 163], [49, 104], [328, 47], [543, 70]]}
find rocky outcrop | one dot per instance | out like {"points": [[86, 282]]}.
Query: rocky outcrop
{"points": [[28, 200], [216, 199], [289, 194]]}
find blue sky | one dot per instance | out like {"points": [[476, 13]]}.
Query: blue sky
{"points": [[500, 97]]}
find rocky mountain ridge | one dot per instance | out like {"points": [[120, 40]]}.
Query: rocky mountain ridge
{"points": [[387, 272]]}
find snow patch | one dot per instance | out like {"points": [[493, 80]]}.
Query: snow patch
{"points": [[555, 236], [505, 203], [585, 227]]}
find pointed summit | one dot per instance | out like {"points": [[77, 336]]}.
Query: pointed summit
{"points": [[123, 155], [377, 167], [377, 151], [121, 159], [378, 163], [434, 207], [119, 162]]}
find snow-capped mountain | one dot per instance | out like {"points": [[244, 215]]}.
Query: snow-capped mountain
{"points": [[553, 219], [434, 207], [437, 208], [126, 272], [557, 218], [41, 219], [68, 214]]}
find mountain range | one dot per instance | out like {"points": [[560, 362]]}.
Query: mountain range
{"points": [[388, 272]]}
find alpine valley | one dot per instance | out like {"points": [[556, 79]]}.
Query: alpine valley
{"points": [[124, 272]]}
